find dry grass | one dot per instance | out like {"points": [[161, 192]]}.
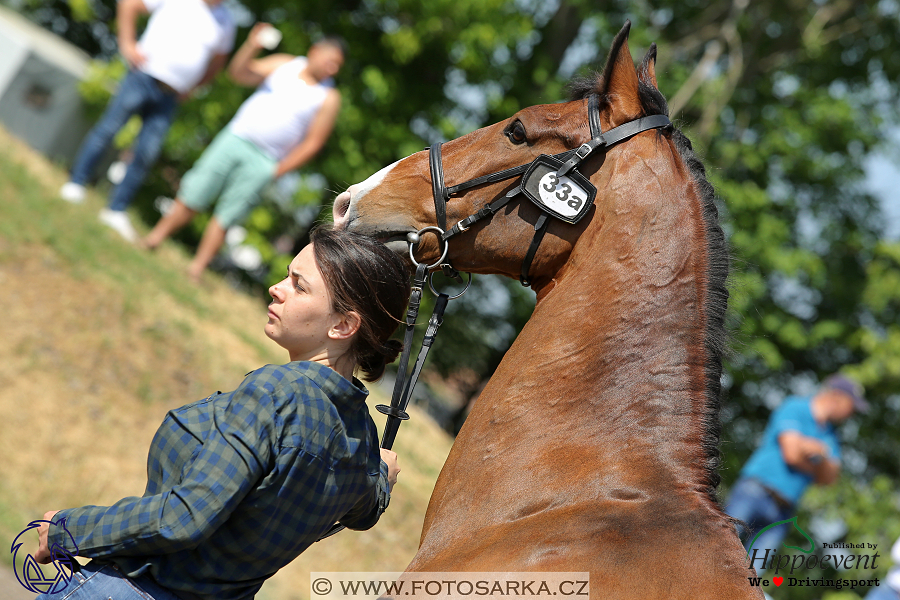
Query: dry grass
{"points": [[98, 340]]}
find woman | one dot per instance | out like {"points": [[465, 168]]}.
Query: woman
{"points": [[241, 483]]}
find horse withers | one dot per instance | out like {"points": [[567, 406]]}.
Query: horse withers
{"points": [[594, 447]]}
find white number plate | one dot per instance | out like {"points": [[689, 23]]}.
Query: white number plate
{"points": [[568, 197], [562, 194]]}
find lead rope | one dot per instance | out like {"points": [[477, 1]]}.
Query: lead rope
{"points": [[403, 387]]}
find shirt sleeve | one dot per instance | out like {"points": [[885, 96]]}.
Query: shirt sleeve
{"points": [[229, 463], [369, 509], [152, 5], [226, 41], [788, 417]]}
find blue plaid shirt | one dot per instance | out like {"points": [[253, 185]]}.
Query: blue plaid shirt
{"points": [[241, 483]]}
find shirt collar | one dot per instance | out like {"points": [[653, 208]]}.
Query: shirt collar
{"points": [[339, 390]]}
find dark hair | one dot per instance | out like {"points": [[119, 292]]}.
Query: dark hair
{"points": [[363, 276], [334, 41]]}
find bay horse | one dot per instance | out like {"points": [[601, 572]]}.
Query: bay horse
{"points": [[594, 447]]}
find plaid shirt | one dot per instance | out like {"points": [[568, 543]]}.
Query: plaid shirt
{"points": [[241, 483]]}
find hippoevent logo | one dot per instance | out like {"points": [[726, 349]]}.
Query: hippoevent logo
{"points": [[806, 561], [49, 578]]}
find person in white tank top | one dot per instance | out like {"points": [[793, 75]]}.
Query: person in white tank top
{"points": [[185, 44], [281, 127]]}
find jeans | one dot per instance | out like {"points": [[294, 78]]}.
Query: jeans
{"points": [[883, 592], [139, 94], [753, 505], [98, 580]]}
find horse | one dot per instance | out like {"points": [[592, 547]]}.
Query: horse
{"points": [[594, 446]]}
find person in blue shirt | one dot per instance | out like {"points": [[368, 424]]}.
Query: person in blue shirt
{"points": [[800, 446], [240, 483]]}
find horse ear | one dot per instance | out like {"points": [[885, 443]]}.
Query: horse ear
{"points": [[620, 80], [648, 66]]}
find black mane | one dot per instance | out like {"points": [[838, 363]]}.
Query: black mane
{"points": [[716, 301]]}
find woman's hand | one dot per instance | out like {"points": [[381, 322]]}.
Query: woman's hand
{"points": [[390, 459], [42, 555]]}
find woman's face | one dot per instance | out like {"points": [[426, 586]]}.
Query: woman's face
{"points": [[300, 314]]}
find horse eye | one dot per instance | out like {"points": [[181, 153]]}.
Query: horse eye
{"points": [[516, 133]]}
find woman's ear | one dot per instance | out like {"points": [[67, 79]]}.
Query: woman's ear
{"points": [[346, 326]]}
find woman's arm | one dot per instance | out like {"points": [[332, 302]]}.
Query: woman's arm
{"points": [[229, 464]]}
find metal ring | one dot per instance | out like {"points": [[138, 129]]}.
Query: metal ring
{"points": [[440, 232], [436, 293]]}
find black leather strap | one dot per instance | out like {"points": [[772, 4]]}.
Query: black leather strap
{"points": [[412, 313], [594, 116], [626, 130], [540, 228], [487, 211], [500, 175], [396, 412], [434, 323], [437, 185]]}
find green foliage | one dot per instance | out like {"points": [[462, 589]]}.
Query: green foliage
{"points": [[782, 100]]}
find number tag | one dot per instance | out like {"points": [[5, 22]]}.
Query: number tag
{"points": [[567, 198]]}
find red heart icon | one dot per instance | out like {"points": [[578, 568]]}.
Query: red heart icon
{"points": [[778, 580]]}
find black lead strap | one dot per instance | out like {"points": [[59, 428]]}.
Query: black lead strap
{"points": [[436, 320], [396, 412], [403, 387]]}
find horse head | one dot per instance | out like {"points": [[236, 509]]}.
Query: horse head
{"points": [[398, 199]]}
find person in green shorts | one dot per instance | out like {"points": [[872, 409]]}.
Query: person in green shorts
{"points": [[279, 128]]}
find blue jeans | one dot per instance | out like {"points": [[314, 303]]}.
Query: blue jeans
{"points": [[753, 505], [98, 580], [139, 94], [882, 592]]}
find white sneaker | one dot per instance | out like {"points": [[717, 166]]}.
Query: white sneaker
{"points": [[116, 172], [72, 192], [118, 220]]}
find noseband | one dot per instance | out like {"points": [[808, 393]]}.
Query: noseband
{"points": [[553, 183]]}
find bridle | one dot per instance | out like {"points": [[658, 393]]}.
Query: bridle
{"points": [[562, 166]]}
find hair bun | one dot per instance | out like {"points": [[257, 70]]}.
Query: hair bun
{"points": [[391, 349]]}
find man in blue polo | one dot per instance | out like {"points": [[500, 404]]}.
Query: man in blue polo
{"points": [[800, 446]]}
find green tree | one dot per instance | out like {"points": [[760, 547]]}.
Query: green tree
{"points": [[784, 100]]}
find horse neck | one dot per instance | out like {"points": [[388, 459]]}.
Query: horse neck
{"points": [[616, 350]]}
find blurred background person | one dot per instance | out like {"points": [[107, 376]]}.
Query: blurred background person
{"points": [[185, 43], [281, 127], [800, 446]]}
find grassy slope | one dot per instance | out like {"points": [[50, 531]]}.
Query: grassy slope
{"points": [[98, 340]]}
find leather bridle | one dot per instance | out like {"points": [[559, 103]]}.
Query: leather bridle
{"points": [[567, 163]]}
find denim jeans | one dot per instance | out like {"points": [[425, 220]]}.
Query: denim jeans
{"points": [[138, 94], [751, 503], [98, 580], [882, 592]]}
